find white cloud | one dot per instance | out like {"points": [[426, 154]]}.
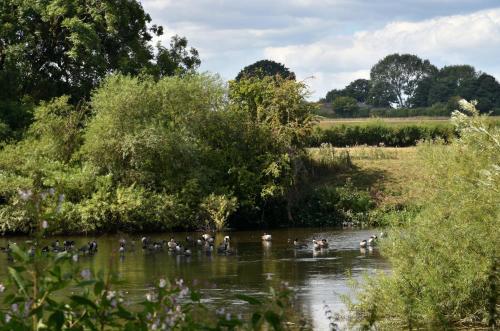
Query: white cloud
{"points": [[473, 39]]}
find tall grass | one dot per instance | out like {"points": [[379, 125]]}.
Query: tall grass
{"points": [[445, 259]]}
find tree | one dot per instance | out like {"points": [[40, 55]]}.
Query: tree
{"points": [[381, 95], [345, 106], [49, 48], [331, 95], [451, 81], [487, 93], [401, 74], [358, 90], [265, 68]]}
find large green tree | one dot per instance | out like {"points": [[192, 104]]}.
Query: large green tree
{"points": [[265, 68], [49, 48], [401, 73]]}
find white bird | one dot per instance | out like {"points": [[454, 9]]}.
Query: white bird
{"points": [[267, 237], [363, 243], [206, 236]]}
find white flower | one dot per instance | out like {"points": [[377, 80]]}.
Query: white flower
{"points": [[110, 295], [2, 288], [7, 318], [163, 283], [14, 307], [45, 224], [75, 257], [86, 274], [25, 194]]}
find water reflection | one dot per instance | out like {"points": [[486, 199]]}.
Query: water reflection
{"points": [[318, 276]]}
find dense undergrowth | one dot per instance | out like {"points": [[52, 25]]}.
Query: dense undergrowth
{"points": [[445, 258]]}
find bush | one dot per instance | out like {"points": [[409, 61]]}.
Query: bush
{"points": [[445, 259], [333, 206], [377, 133]]}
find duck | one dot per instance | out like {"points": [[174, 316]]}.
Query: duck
{"points": [[266, 237]]}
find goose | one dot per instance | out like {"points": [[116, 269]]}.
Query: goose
{"points": [[298, 244], [226, 239], [266, 237], [363, 243], [208, 248], [206, 236], [122, 248], [172, 244], [372, 241], [92, 247]]}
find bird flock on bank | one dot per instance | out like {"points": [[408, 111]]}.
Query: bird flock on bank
{"points": [[205, 243]]}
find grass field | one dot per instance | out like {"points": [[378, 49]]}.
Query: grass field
{"points": [[324, 122], [385, 172]]}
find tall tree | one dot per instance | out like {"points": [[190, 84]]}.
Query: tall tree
{"points": [[358, 90], [487, 93], [401, 74], [263, 68], [49, 47], [451, 81]]}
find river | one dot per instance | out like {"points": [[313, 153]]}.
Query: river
{"points": [[319, 278]]}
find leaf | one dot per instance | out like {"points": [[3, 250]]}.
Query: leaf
{"points": [[195, 296], [256, 317], [98, 287], [17, 279], [273, 319], [19, 253], [83, 301], [123, 313], [249, 299], [56, 320]]}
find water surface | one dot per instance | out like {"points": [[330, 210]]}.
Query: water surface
{"points": [[319, 278]]}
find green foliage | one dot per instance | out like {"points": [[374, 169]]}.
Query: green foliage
{"points": [[51, 48], [402, 75], [344, 106], [333, 206], [445, 260], [378, 133], [218, 209], [265, 68], [155, 155]]}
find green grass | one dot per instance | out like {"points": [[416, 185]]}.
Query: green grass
{"points": [[383, 171]]}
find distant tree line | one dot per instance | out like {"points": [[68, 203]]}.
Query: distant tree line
{"points": [[406, 81]]}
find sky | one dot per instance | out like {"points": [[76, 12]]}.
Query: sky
{"points": [[329, 43]]}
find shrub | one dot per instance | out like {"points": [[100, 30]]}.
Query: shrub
{"points": [[377, 133], [445, 259]]}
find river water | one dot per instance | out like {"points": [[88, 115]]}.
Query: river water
{"points": [[319, 278]]}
